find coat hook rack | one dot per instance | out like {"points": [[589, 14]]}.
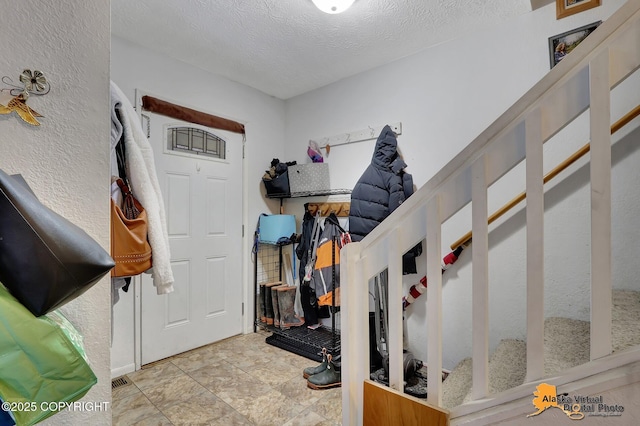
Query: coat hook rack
{"points": [[339, 208], [355, 136], [32, 83]]}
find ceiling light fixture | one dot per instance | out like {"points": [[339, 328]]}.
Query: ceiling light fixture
{"points": [[333, 6]]}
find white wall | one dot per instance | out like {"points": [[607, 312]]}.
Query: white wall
{"points": [[66, 159], [133, 67], [444, 97]]}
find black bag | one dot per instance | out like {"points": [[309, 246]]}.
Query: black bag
{"points": [[45, 260], [278, 186]]}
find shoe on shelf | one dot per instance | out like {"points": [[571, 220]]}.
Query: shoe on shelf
{"points": [[262, 308], [268, 302], [286, 305], [275, 303]]}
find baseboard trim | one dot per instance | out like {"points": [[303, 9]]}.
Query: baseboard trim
{"points": [[121, 371]]}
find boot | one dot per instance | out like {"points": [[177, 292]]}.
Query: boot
{"points": [[286, 303], [310, 371], [328, 378], [262, 311], [276, 304], [309, 309], [268, 302]]}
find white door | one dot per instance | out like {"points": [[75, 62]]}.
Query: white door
{"points": [[203, 203]]}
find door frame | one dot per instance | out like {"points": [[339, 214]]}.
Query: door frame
{"points": [[244, 276]]}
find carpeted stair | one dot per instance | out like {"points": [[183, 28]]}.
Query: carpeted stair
{"points": [[625, 319], [507, 367], [566, 345]]}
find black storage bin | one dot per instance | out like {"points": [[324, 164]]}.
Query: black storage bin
{"points": [[278, 186]]}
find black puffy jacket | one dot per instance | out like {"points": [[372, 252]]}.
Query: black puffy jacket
{"points": [[380, 190]]}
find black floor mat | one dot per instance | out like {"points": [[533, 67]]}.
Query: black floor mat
{"points": [[305, 342]]}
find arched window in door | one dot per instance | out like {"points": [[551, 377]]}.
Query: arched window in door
{"points": [[195, 141]]}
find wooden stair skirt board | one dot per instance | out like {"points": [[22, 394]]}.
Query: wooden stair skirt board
{"points": [[385, 406]]}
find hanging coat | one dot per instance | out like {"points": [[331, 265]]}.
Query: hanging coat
{"points": [[381, 189], [302, 250], [308, 299], [326, 274]]}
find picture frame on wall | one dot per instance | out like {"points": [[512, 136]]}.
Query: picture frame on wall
{"points": [[566, 8], [562, 44]]}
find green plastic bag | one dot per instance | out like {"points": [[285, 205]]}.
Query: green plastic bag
{"points": [[41, 362]]}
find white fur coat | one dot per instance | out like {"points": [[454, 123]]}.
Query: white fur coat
{"points": [[141, 172]]}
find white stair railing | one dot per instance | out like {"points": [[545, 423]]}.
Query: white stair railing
{"points": [[583, 80]]}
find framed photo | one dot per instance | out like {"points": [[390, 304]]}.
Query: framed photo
{"points": [[562, 44], [566, 8]]}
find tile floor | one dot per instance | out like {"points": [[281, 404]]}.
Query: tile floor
{"points": [[238, 381]]}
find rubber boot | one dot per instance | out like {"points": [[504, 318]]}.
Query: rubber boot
{"points": [[262, 311], [310, 371], [268, 302], [286, 303], [328, 378], [276, 304], [268, 305], [309, 309]]}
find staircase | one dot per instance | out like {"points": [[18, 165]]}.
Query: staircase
{"points": [[566, 344], [573, 355]]}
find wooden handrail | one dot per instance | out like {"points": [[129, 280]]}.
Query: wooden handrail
{"points": [[466, 238]]}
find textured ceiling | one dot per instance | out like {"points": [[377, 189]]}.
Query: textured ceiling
{"points": [[288, 47]]}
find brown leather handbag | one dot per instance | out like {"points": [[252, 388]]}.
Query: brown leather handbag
{"points": [[129, 246]]}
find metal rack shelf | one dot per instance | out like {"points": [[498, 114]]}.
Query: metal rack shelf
{"points": [[304, 341], [310, 193], [299, 340]]}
